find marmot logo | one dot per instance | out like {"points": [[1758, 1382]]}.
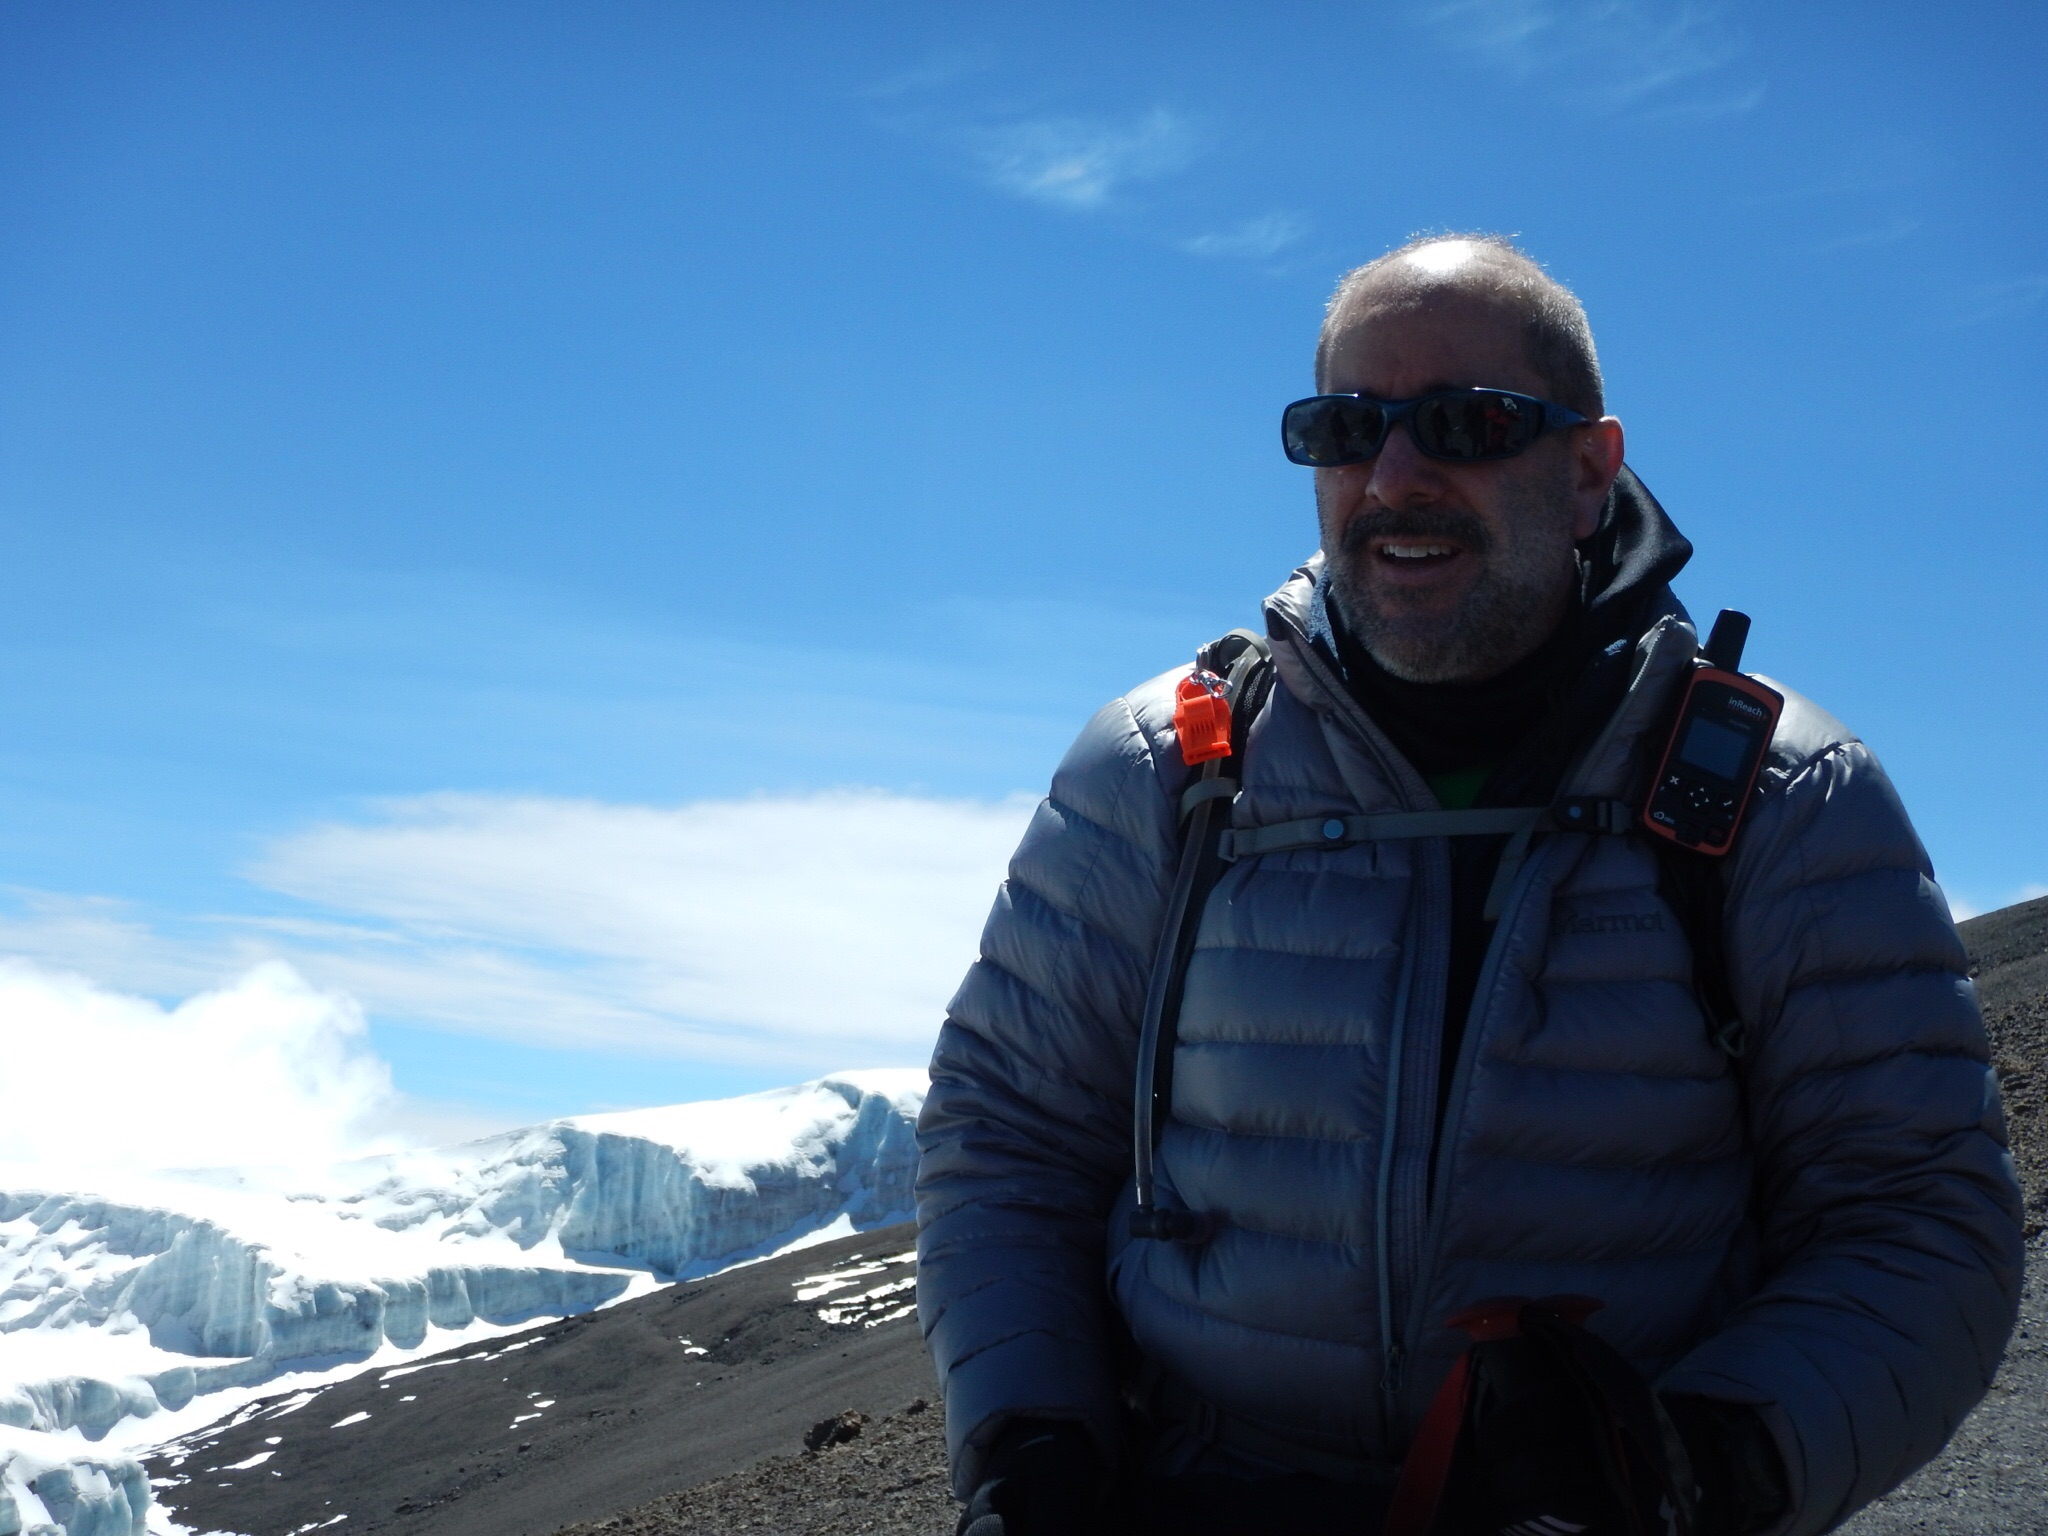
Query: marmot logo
{"points": [[1608, 922]]}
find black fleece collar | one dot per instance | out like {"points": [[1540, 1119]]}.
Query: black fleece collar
{"points": [[1551, 695]]}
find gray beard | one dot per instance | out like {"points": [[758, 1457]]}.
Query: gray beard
{"points": [[1523, 587]]}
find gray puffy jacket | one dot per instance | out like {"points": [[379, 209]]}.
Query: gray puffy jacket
{"points": [[1827, 1229]]}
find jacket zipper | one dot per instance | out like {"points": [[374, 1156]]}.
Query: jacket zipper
{"points": [[1468, 1054], [1383, 1223], [1468, 1047], [1400, 773]]}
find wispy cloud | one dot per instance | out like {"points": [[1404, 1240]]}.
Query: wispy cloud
{"points": [[1886, 232], [933, 73], [1080, 162], [1700, 107], [1611, 54], [1999, 301], [801, 932], [796, 934], [1254, 239]]}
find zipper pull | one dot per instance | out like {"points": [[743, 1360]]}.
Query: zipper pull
{"points": [[1390, 1377]]}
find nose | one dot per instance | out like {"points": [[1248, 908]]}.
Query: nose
{"points": [[1399, 476]]}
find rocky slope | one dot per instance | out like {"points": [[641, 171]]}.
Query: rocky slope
{"points": [[577, 1417], [2009, 956]]}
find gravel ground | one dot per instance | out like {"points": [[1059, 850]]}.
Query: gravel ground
{"points": [[890, 1480], [2009, 951]]}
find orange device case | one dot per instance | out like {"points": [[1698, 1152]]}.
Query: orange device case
{"points": [[1773, 703]]}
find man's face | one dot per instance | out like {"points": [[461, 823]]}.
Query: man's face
{"points": [[1453, 572]]}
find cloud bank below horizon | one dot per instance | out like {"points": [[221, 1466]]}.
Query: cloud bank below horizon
{"points": [[264, 1069]]}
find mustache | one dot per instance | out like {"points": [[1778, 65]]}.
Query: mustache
{"points": [[1416, 523]]}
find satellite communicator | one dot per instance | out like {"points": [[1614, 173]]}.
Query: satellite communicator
{"points": [[1716, 747]]}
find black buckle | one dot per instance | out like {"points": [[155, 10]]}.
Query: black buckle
{"points": [[1592, 813]]}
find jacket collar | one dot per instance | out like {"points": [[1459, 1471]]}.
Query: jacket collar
{"points": [[1626, 600]]}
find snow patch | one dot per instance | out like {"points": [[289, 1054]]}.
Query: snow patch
{"points": [[871, 1307]]}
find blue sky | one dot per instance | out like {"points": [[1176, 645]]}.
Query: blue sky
{"points": [[488, 487]]}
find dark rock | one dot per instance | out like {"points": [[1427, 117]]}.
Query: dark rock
{"points": [[836, 1430]]}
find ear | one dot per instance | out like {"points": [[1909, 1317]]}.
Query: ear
{"points": [[1596, 460]]}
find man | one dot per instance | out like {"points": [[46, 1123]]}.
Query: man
{"points": [[1387, 1104]]}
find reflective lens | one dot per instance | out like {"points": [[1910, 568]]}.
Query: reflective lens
{"points": [[1462, 425], [1327, 430], [1475, 424]]}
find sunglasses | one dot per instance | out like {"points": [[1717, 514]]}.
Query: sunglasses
{"points": [[1461, 426]]}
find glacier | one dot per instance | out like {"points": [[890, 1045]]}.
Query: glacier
{"points": [[145, 1305]]}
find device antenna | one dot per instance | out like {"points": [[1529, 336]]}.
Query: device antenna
{"points": [[1724, 645]]}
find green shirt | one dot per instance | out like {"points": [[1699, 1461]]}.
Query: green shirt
{"points": [[1457, 788]]}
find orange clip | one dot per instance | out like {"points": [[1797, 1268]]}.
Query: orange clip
{"points": [[1201, 718]]}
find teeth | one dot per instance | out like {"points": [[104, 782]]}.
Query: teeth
{"points": [[1415, 551]]}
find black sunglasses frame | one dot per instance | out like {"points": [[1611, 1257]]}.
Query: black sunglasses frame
{"points": [[1551, 417]]}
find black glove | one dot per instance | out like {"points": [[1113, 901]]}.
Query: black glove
{"points": [[1735, 1462], [1527, 1460], [1042, 1478]]}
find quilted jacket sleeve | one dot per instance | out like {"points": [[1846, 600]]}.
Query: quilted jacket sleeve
{"points": [[1026, 1132], [1886, 1200]]}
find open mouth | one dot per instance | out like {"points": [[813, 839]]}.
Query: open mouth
{"points": [[1415, 554]]}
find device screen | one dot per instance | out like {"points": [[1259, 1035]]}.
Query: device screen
{"points": [[1719, 749]]}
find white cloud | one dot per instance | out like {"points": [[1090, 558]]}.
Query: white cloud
{"points": [[1886, 232], [1077, 162], [1962, 907], [933, 73], [800, 933], [1256, 239], [1611, 54], [265, 1069], [819, 928], [105, 940], [1999, 301]]}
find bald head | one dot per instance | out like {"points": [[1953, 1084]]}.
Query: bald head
{"points": [[1463, 271]]}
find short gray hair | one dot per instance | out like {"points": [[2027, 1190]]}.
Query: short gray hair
{"points": [[1555, 329]]}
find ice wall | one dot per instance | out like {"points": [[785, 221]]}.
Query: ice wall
{"points": [[92, 1495], [120, 1302]]}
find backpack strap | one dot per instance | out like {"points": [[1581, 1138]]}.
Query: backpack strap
{"points": [[1244, 663], [1693, 886]]}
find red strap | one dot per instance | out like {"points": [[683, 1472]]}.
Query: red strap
{"points": [[1428, 1466]]}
